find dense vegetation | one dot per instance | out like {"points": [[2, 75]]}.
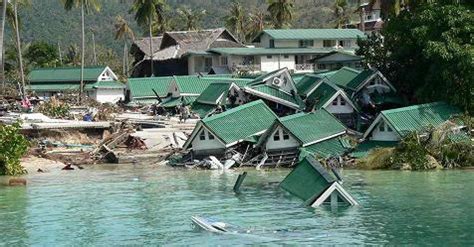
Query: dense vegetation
{"points": [[13, 146], [428, 53]]}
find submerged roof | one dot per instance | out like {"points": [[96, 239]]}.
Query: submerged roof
{"points": [[239, 123], [66, 74], [308, 180], [296, 34], [333, 147], [310, 128], [143, 87]]}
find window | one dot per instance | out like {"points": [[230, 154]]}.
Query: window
{"points": [[272, 43], [341, 43], [211, 136], [276, 136], [369, 17], [382, 127], [329, 43], [342, 101], [389, 129], [306, 43], [269, 56], [286, 56], [334, 102], [223, 60], [286, 136], [202, 136]]}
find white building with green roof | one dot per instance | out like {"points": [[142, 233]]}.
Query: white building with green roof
{"points": [[100, 83]]}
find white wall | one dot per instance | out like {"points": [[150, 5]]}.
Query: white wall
{"points": [[286, 43], [272, 145], [109, 95], [273, 63], [191, 65], [378, 135], [207, 144], [339, 108], [377, 83]]}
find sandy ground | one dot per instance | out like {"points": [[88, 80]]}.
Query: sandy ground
{"points": [[33, 163]]}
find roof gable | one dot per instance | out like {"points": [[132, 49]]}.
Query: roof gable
{"points": [[66, 74], [239, 123], [313, 127], [307, 84], [296, 34], [325, 92], [337, 56]]}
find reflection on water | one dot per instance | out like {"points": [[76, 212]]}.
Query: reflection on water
{"points": [[144, 205]]}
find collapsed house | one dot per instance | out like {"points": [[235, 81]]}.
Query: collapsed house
{"points": [[100, 83], [217, 97], [218, 134], [391, 126], [278, 90], [144, 90], [318, 134], [312, 183]]}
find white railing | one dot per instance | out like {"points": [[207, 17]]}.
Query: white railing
{"points": [[304, 66]]}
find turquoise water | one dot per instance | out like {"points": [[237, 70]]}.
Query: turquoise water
{"points": [[137, 205]]}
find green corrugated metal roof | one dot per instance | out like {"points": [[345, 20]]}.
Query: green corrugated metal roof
{"points": [[173, 102], [241, 122], [213, 92], [192, 84], [308, 180], [144, 101], [297, 34], [142, 87], [249, 51], [329, 148], [359, 79], [105, 85], [64, 74], [275, 92], [419, 117], [312, 127], [344, 76], [364, 148], [307, 83], [323, 93], [202, 109], [53, 87], [241, 82]]}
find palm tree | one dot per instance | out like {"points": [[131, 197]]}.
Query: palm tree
{"points": [[257, 22], [124, 32], [235, 20], [145, 12], [86, 6], [281, 12], [3, 13], [191, 18], [340, 12], [16, 27]]}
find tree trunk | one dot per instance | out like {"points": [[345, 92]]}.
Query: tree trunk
{"points": [[93, 49], [81, 89], [3, 13], [151, 45], [125, 59], [361, 17], [60, 55], [18, 44]]}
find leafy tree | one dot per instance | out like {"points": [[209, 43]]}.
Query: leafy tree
{"points": [[85, 6], [147, 11], [192, 18], [13, 145], [281, 12], [42, 54], [257, 21], [374, 52], [235, 20], [429, 54]]}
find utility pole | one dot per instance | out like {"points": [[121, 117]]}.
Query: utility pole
{"points": [[59, 53], [93, 48]]}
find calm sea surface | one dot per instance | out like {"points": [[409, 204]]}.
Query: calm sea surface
{"points": [[142, 205]]}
